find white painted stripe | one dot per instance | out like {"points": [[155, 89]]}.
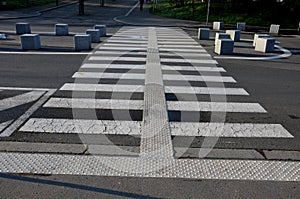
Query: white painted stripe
{"points": [[102, 52], [215, 106], [17, 123], [205, 90], [103, 58], [199, 61], [125, 45], [44, 53], [179, 43], [229, 130], [181, 50], [193, 68], [122, 48], [199, 78], [125, 41], [95, 103], [176, 40], [132, 9], [24, 89], [21, 99], [5, 124], [115, 66], [187, 47], [99, 75], [109, 75], [185, 55], [78, 126], [102, 87]]}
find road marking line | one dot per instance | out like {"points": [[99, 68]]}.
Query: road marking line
{"points": [[106, 58], [114, 66], [78, 126], [122, 48], [25, 89], [125, 41], [205, 90], [108, 75], [21, 99], [199, 78], [199, 61], [100, 75], [229, 130], [102, 87], [193, 68], [182, 50], [102, 52], [183, 47], [132, 9], [5, 124], [124, 45], [216, 106], [95, 103], [17, 123]]}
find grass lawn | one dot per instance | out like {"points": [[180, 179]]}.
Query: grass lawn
{"points": [[217, 13]]}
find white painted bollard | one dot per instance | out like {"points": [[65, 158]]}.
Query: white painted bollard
{"points": [[30, 41], [274, 29], [265, 45], [22, 28], [61, 29], [95, 35], [82, 42], [203, 33], [241, 26], [218, 25], [256, 36], [224, 46], [221, 36], [235, 35], [102, 29]]}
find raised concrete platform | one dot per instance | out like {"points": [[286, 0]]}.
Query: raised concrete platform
{"points": [[221, 36], [102, 29], [203, 33], [235, 35], [82, 42], [30, 41], [274, 29], [241, 26], [265, 45], [256, 36], [218, 25], [95, 35], [22, 28], [224, 47], [61, 29]]}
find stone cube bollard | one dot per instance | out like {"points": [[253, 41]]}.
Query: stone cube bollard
{"points": [[224, 46], [274, 29], [256, 36], [22, 28], [203, 33], [61, 29], [30, 41], [218, 25], [221, 36], [82, 42], [241, 26], [235, 35], [95, 35], [265, 45], [102, 29]]}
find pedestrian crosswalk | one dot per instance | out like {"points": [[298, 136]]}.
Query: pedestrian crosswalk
{"points": [[158, 57]]}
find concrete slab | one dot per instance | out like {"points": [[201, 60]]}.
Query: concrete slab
{"points": [[282, 155], [23, 28], [30, 41]]}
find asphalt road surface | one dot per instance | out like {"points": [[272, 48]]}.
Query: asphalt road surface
{"points": [[150, 112]]}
